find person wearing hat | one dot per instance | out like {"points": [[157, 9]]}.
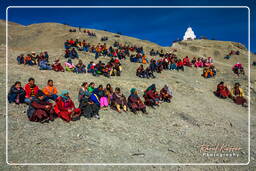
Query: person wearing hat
{"points": [[238, 95], [135, 103], [39, 110], [65, 107], [151, 96]]}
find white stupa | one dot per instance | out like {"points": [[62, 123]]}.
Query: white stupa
{"points": [[189, 34]]}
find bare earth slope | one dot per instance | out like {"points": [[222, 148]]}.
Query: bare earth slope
{"points": [[173, 133]]}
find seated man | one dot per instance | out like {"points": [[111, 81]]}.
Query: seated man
{"points": [[222, 91], [80, 67], [39, 110], [50, 91], [31, 90], [166, 94], [56, 66], [135, 103], [140, 72], [16, 93]]}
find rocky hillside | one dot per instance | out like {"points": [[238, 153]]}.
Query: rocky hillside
{"points": [[171, 133]]}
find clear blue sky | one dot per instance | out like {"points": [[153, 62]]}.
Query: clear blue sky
{"points": [[161, 26]]}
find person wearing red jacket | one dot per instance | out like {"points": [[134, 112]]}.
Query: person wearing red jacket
{"points": [[186, 61], [180, 65], [31, 90], [65, 107]]}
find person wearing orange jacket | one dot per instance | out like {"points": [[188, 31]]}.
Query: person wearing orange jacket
{"points": [[50, 91]]}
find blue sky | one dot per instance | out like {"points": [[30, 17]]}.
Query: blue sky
{"points": [[161, 26]]}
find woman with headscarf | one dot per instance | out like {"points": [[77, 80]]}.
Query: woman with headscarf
{"points": [[166, 94], [102, 97], [69, 66], [88, 108], [65, 107], [39, 110], [222, 91], [80, 67], [56, 66], [119, 101], [238, 95], [16, 93], [151, 96], [135, 103]]}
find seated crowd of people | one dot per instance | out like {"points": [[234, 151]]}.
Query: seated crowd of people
{"points": [[170, 61], [45, 104], [40, 59], [232, 52], [236, 93], [88, 32]]}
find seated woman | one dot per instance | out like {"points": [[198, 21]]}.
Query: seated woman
{"points": [[186, 61], [173, 65], [67, 45], [140, 72], [88, 108], [80, 67], [67, 53], [31, 90], [50, 91], [199, 63], [238, 69], [20, 59], [135, 103], [149, 73], [208, 62], [16, 93], [119, 101], [43, 65], [91, 87], [39, 110], [56, 66], [151, 96], [69, 66], [207, 73], [106, 70], [166, 94], [116, 69], [222, 91], [65, 107], [238, 95], [193, 61], [180, 65], [73, 54], [108, 92], [102, 97]]}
